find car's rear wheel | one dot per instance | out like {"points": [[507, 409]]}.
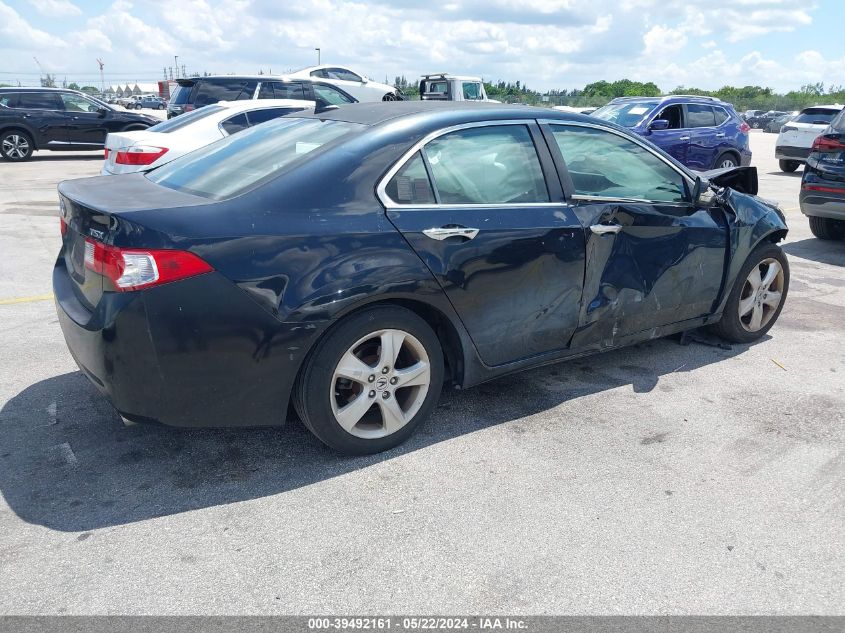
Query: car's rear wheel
{"points": [[789, 165], [371, 381], [16, 145], [827, 228], [757, 297], [390, 96], [726, 161]]}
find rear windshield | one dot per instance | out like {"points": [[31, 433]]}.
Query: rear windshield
{"points": [[181, 94], [625, 114], [245, 160], [213, 90], [178, 123], [820, 116]]}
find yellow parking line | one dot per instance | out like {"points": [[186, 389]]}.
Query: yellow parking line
{"points": [[5, 302]]}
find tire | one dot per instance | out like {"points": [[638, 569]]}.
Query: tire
{"points": [[322, 393], [725, 161], [161, 106], [745, 301], [827, 228], [16, 146], [789, 166], [755, 125], [390, 96]]}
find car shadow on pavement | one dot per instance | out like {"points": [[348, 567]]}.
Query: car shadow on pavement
{"points": [[791, 174], [823, 251], [68, 463]]}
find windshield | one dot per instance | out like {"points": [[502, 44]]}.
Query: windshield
{"points": [[628, 114], [819, 116], [178, 123], [242, 161]]}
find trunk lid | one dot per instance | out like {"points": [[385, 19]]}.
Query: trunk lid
{"points": [[110, 210]]}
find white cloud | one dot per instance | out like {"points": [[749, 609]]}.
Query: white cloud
{"points": [[56, 8], [17, 31]]}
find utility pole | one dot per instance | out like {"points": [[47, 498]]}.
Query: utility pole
{"points": [[176, 65], [102, 77], [318, 55]]}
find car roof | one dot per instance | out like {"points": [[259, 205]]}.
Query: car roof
{"points": [[441, 112], [256, 77], [835, 106], [661, 99]]}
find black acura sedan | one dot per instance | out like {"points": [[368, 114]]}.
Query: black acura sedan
{"points": [[351, 261]]}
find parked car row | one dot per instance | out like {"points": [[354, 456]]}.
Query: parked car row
{"points": [[353, 260]]}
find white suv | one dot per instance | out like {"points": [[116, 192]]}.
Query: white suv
{"points": [[796, 137]]}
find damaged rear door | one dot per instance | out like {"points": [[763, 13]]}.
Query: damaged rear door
{"points": [[652, 257]]}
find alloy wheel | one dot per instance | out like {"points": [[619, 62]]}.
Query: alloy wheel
{"points": [[726, 163], [380, 383], [761, 295], [15, 146]]}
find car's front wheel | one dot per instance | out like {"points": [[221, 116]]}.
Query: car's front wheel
{"points": [[789, 165], [827, 228], [757, 297], [373, 379], [16, 145]]}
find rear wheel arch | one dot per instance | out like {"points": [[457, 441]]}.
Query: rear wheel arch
{"points": [[730, 152], [451, 342]]}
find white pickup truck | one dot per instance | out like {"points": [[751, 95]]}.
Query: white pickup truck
{"points": [[446, 87]]}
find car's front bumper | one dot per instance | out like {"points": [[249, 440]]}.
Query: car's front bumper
{"points": [[790, 152], [194, 353]]}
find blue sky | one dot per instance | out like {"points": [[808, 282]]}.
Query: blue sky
{"points": [[544, 43]]}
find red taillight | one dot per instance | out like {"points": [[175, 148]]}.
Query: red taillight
{"points": [[744, 127], [106, 153], [139, 155], [131, 269], [62, 226], [824, 189], [828, 144]]}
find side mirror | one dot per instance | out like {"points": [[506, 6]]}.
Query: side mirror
{"points": [[102, 111], [702, 195], [659, 124]]}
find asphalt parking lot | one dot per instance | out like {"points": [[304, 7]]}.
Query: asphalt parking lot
{"points": [[659, 479]]}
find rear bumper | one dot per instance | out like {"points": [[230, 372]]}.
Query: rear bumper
{"points": [[789, 152], [195, 353], [822, 205]]}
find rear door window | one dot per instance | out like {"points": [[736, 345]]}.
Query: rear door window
{"points": [[213, 90], [721, 115], [699, 115], [281, 90], [487, 165], [257, 117], [235, 124], [411, 185], [39, 101]]}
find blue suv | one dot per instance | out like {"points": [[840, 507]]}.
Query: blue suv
{"points": [[701, 132]]}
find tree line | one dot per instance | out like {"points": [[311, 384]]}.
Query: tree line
{"points": [[600, 92]]}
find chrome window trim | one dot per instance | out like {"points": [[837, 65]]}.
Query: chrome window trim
{"points": [[389, 203], [688, 178]]}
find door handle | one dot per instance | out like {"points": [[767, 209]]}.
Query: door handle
{"points": [[601, 229], [720, 135], [683, 138], [450, 231]]}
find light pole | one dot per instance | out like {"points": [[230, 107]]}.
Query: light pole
{"points": [[176, 64], [318, 55]]}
